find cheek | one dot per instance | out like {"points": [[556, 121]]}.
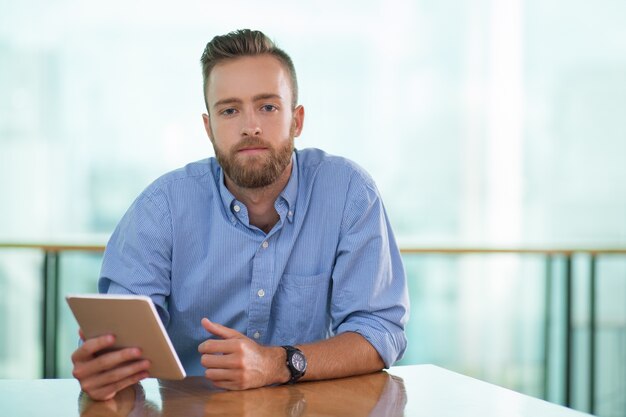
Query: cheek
{"points": [[282, 126], [225, 132]]}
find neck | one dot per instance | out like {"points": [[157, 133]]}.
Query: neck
{"points": [[260, 201]]}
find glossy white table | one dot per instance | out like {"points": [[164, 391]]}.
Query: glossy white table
{"points": [[437, 392], [419, 390]]}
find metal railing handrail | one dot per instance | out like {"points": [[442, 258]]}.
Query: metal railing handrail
{"points": [[53, 247], [514, 250], [405, 249]]}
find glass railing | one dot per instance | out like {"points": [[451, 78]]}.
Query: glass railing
{"points": [[550, 322]]}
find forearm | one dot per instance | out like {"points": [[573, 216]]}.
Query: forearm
{"points": [[236, 362], [344, 355]]}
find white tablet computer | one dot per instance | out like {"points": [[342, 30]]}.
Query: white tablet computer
{"points": [[134, 321]]}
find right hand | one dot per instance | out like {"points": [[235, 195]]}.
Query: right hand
{"points": [[102, 375]]}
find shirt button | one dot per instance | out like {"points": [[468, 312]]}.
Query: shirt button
{"points": [[265, 244], [236, 208], [257, 335], [261, 293], [290, 213]]}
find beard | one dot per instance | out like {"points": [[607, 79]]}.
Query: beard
{"points": [[255, 171]]}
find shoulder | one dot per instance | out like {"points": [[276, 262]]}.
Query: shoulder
{"points": [[194, 171], [316, 163], [337, 183], [185, 182]]}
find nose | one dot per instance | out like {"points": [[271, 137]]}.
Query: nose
{"points": [[251, 126]]}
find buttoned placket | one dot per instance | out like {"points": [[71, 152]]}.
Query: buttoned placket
{"points": [[262, 288], [264, 280]]}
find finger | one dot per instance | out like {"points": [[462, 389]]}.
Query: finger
{"points": [[87, 350], [108, 392], [105, 362], [219, 330], [220, 346], [222, 375], [220, 361], [81, 335], [115, 375]]}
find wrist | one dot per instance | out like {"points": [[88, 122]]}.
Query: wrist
{"points": [[280, 373]]}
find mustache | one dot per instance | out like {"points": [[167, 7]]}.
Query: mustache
{"points": [[252, 142]]}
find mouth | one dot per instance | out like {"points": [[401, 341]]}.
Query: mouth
{"points": [[251, 150]]}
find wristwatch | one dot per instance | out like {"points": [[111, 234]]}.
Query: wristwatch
{"points": [[296, 362]]}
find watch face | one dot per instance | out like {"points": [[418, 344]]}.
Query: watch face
{"points": [[298, 361]]}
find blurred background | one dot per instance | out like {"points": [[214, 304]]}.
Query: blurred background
{"points": [[487, 125]]}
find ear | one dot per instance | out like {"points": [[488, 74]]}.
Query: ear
{"points": [[207, 126], [298, 120]]}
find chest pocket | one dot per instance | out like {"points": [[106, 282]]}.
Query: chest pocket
{"points": [[302, 308]]}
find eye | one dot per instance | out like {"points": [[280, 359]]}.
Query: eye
{"points": [[269, 107], [228, 112]]}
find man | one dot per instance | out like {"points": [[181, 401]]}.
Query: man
{"points": [[267, 265]]}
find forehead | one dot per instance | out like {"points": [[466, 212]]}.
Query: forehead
{"points": [[246, 77]]}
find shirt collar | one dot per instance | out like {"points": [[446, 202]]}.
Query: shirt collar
{"points": [[289, 193], [228, 199]]}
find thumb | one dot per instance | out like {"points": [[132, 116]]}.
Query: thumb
{"points": [[220, 331]]}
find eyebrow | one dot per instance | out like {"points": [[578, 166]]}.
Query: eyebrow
{"points": [[233, 100]]}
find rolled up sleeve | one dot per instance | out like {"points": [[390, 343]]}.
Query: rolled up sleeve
{"points": [[369, 288], [137, 259]]}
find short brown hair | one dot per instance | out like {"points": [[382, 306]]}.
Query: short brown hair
{"points": [[239, 43]]}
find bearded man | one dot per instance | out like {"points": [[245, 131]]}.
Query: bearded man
{"points": [[267, 264]]}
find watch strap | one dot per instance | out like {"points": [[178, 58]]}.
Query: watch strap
{"points": [[296, 374]]}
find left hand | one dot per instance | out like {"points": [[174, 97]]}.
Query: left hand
{"points": [[237, 362]]}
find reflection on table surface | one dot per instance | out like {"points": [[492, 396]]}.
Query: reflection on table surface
{"points": [[378, 394], [411, 391]]}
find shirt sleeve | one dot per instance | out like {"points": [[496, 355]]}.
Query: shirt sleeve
{"points": [[138, 257], [369, 288]]}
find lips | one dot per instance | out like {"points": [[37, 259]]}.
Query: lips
{"points": [[251, 148]]}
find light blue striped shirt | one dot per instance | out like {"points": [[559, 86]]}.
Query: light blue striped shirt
{"points": [[330, 264]]}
